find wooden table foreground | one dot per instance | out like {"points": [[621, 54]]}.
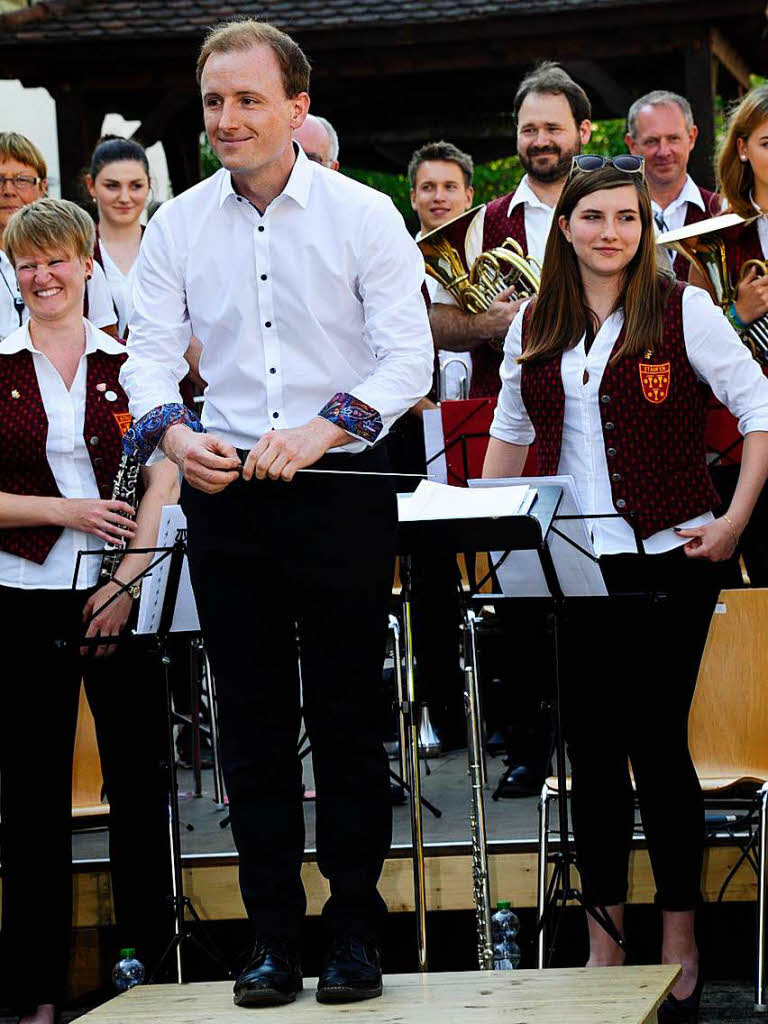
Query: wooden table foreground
{"points": [[603, 995]]}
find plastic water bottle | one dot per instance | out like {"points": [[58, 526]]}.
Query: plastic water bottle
{"points": [[128, 971], [504, 929]]}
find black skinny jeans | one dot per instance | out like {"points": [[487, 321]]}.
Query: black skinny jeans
{"points": [[41, 686], [316, 555], [630, 671]]}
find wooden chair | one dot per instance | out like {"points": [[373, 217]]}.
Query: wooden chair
{"points": [[728, 738], [86, 770]]}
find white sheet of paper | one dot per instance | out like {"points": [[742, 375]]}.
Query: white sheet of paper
{"points": [[431, 501], [185, 617], [521, 574], [434, 442]]}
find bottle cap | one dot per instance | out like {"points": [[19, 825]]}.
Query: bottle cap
{"points": [[504, 905], [127, 953]]}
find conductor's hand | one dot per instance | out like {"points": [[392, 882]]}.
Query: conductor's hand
{"points": [[714, 542], [494, 323], [752, 296], [281, 453], [105, 621], [207, 463]]}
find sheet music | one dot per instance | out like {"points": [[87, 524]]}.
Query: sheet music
{"points": [[432, 500], [434, 442], [521, 574], [185, 618]]}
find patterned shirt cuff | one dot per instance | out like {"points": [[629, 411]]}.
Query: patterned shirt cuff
{"points": [[352, 415], [141, 440]]}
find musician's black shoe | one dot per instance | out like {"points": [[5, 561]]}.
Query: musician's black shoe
{"points": [[272, 977], [682, 1011], [519, 780], [352, 971]]}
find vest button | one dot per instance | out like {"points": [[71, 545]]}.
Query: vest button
{"points": [[605, 399], [621, 503], [611, 452], [98, 460], [94, 441], [616, 477], [609, 425]]}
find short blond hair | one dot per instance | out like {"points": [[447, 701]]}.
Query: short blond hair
{"points": [[21, 149], [242, 34], [49, 225]]}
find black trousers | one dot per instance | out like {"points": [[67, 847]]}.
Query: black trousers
{"points": [[41, 685], [272, 561], [629, 674]]}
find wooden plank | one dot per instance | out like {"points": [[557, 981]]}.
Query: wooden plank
{"points": [[602, 995]]}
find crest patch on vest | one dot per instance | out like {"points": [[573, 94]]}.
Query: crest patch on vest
{"points": [[654, 380], [123, 420]]}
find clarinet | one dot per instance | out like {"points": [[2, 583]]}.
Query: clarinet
{"points": [[124, 489]]}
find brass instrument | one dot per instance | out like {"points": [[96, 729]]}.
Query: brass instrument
{"points": [[123, 489], [704, 246], [476, 287]]}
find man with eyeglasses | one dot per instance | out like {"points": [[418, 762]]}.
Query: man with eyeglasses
{"points": [[661, 129], [23, 179]]}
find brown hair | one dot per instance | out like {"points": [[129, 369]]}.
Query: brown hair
{"points": [[18, 147], [549, 79], [560, 317], [445, 151], [49, 225], [241, 34], [735, 177]]}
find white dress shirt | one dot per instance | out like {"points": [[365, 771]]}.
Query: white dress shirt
{"points": [[538, 221], [320, 295], [717, 356], [674, 215], [762, 229], [101, 312], [120, 287], [70, 464]]}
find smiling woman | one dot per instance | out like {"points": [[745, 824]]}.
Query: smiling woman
{"points": [[604, 369]]}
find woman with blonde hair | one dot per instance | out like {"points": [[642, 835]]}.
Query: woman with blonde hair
{"points": [[62, 416], [603, 369]]}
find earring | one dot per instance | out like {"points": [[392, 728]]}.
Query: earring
{"points": [[743, 158]]}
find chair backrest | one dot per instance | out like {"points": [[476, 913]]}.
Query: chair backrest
{"points": [[728, 724], [86, 766]]}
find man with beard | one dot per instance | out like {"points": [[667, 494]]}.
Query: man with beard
{"points": [[552, 114]]}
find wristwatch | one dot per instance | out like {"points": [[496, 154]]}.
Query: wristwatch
{"points": [[134, 589]]}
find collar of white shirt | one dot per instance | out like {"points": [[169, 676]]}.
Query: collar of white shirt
{"points": [[297, 187], [94, 339], [689, 193], [525, 194]]}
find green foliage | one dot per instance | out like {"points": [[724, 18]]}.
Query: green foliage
{"points": [[209, 162]]}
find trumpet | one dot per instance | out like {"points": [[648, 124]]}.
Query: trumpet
{"points": [[476, 287], [704, 245]]}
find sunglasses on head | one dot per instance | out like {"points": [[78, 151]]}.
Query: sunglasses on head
{"points": [[625, 162]]}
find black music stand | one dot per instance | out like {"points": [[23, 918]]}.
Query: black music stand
{"points": [[178, 901]]}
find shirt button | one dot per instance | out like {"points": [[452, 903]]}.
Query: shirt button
{"points": [[261, 227], [93, 442], [273, 369], [609, 426], [616, 477], [611, 452], [275, 415], [268, 323], [621, 503], [605, 399], [263, 277]]}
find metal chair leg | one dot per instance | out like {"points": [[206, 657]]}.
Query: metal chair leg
{"points": [[541, 895], [761, 995]]}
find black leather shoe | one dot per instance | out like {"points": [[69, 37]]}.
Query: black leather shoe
{"points": [[518, 780], [272, 977], [682, 1011], [352, 971]]}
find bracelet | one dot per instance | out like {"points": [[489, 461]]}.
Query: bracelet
{"points": [[733, 528], [736, 322]]}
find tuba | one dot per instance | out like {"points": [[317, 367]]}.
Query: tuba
{"points": [[475, 287], [704, 245]]}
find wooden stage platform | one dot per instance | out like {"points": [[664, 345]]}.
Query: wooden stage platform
{"points": [[607, 995]]}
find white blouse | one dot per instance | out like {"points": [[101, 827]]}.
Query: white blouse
{"points": [[121, 287], [717, 357], [69, 461]]}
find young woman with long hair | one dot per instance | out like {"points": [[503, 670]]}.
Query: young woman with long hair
{"points": [[604, 370]]}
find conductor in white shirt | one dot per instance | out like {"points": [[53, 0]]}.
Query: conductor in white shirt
{"points": [[304, 289]]}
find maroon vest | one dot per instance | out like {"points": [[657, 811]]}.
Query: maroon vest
{"points": [[653, 427], [24, 467], [680, 265], [497, 226], [723, 439]]}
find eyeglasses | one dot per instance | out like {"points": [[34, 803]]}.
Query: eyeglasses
{"points": [[625, 162], [21, 182]]}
